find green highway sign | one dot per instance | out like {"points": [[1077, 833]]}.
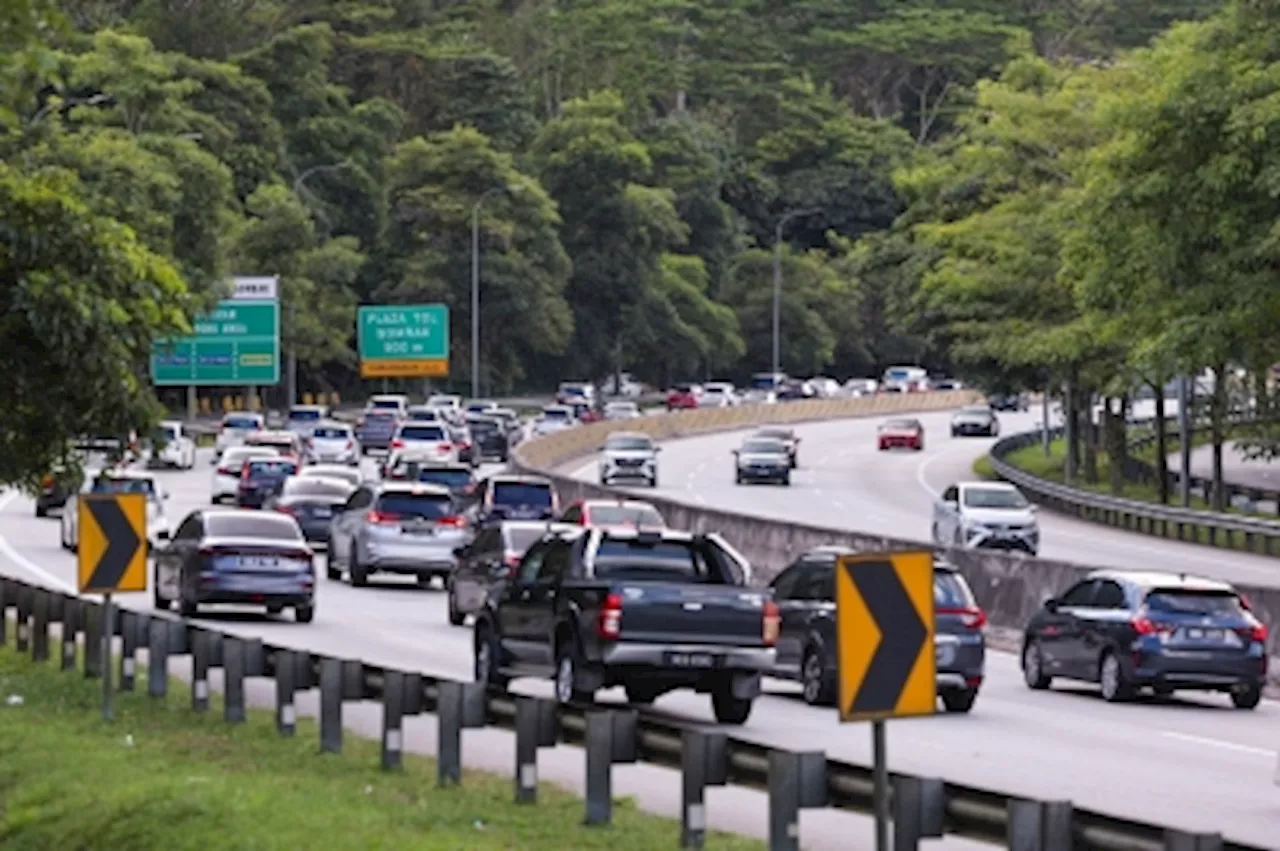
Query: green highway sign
{"points": [[237, 344], [403, 341]]}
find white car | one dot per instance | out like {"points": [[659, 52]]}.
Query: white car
{"points": [[226, 477], [397, 402], [986, 515], [119, 481], [621, 410], [554, 418], [861, 387], [445, 400], [333, 443], [350, 475], [303, 418], [172, 447], [718, 394], [235, 427], [432, 440], [424, 414], [629, 455]]}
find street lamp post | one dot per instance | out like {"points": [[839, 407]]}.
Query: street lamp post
{"points": [[777, 284], [514, 189]]}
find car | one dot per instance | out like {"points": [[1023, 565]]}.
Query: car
{"points": [[1008, 402], [225, 556], [460, 433], [460, 479], [789, 438], [486, 563], [1135, 630], [507, 496], [445, 400], [287, 443], [489, 438], [234, 428], [718, 394], [262, 478], [396, 403], [481, 406], [621, 410], [57, 485], [171, 446], [762, 459], [510, 420], [570, 392], [332, 442], [425, 440], [376, 428], [858, 387], [424, 414], [301, 419], [683, 397], [806, 650], [651, 611], [350, 475], [117, 481], [629, 455], [226, 476], [900, 434], [554, 418], [621, 513], [986, 515], [975, 422], [311, 500], [944, 383], [402, 528]]}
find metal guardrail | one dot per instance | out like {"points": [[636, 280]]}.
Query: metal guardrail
{"points": [[1244, 497], [921, 807], [1253, 534]]}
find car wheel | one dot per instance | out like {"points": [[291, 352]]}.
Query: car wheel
{"points": [[817, 686], [786, 480], [604, 481], [566, 678], [653, 481], [456, 618], [304, 614], [331, 571], [959, 700], [729, 709], [1113, 679], [355, 570], [42, 510], [158, 601], [1246, 698], [737, 478], [187, 608], [486, 659], [275, 609], [1033, 667]]}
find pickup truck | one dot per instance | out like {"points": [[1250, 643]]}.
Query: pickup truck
{"points": [[649, 610]]}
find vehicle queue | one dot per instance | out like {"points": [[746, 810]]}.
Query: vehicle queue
{"points": [[608, 586]]}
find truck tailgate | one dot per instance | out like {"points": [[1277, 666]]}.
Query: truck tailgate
{"points": [[691, 614]]}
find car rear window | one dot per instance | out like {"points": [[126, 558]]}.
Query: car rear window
{"points": [[316, 487], [556, 414], [764, 447], [447, 478], [618, 515], [380, 416], [426, 506], [252, 524], [423, 433], [424, 416], [241, 423], [1181, 602], [106, 484], [331, 432], [902, 425], [632, 559], [483, 426], [304, 416], [950, 591], [272, 467], [393, 404], [522, 494]]}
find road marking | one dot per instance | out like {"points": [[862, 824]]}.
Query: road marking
{"points": [[925, 463], [22, 561], [1218, 743]]}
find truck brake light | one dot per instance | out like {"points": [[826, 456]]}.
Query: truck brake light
{"points": [[772, 624], [609, 626]]}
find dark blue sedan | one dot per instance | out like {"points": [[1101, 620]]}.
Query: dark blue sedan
{"points": [[262, 478]]}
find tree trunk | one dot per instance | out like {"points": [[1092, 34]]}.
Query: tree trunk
{"points": [[1085, 408], [1217, 414], [1162, 448], [1071, 431], [1116, 446]]}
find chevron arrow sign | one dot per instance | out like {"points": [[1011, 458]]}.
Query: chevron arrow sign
{"points": [[112, 552], [884, 636]]}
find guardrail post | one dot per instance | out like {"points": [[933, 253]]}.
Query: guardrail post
{"points": [[1039, 826], [233, 658], [92, 613], [392, 719], [200, 653], [796, 780], [24, 620], [6, 599], [599, 745], [129, 625], [449, 733], [158, 658], [286, 668], [330, 705], [1180, 840], [72, 610], [919, 811], [413, 702], [40, 627], [537, 726], [704, 761], [353, 686]]}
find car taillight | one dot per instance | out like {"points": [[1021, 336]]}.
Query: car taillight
{"points": [[1257, 632], [286, 509], [397, 443], [1143, 625], [244, 474], [771, 625], [511, 560], [971, 616], [351, 444], [381, 517], [455, 520], [609, 625]]}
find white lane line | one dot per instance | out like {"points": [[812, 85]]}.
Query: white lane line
{"points": [[1218, 743], [22, 561]]}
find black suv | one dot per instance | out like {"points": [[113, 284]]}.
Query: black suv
{"points": [[513, 497], [805, 594]]}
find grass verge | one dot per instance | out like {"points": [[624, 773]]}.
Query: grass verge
{"points": [[161, 776]]}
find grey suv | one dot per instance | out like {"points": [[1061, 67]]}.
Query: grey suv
{"points": [[393, 527]]}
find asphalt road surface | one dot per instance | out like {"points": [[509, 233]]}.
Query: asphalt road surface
{"points": [[1193, 763], [1236, 469]]}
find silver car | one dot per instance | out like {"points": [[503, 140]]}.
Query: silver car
{"points": [[333, 443], [403, 528], [986, 515], [629, 455], [621, 410], [235, 427], [303, 418]]}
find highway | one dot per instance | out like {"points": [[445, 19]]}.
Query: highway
{"points": [[1236, 469], [1192, 763]]}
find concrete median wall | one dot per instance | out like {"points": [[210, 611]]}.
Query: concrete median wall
{"points": [[1010, 587]]}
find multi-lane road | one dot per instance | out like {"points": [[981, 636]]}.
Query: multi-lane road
{"points": [[1192, 763]]}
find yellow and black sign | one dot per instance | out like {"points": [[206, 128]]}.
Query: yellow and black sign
{"points": [[112, 528], [884, 635], [406, 368]]}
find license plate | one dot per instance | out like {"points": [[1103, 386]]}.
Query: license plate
{"points": [[1197, 634], [251, 562], [693, 660], [324, 512]]}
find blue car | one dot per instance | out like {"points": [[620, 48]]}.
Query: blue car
{"points": [[263, 478]]}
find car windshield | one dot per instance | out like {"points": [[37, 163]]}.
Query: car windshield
{"points": [[424, 415], [108, 484], [628, 444], [165, 434], [764, 447], [332, 433], [442, 476], [426, 506], [993, 498], [391, 404], [272, 467], [304, 415], [620, 515], [423, 432], [555, 414], [637, 560], [779, 433], [901, 425], [248, 423], [1179, 602], [522, 494], [975, 412], [252, 524], [950, 591], [236, 457], [316, 486], [483, 426]]}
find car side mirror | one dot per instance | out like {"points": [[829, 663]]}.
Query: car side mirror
{"points": [[734, 452], [1052, 604]]}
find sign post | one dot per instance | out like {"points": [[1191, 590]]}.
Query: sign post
{"points": [[403, 341], [237, 344], [885, 655], [111, 558]]}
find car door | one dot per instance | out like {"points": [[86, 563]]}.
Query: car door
{"points": [[542, 602], [343, 526], [175, 563], [1098, 623], [946, 515], [514, 609], [793, 616], [472, 579], [1060, 634]]}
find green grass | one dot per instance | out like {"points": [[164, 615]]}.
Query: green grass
{"points": [[163, 777]]}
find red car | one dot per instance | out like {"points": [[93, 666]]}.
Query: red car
{"points": [[682, 397], [900, 434], [614, 513]]}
